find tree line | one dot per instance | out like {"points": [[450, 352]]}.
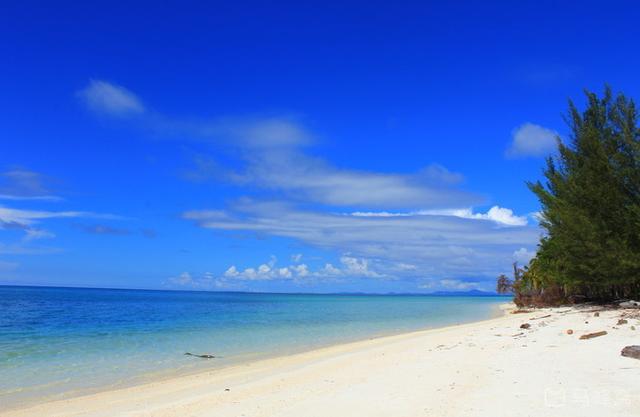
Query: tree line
{"points": [[590, 210]]}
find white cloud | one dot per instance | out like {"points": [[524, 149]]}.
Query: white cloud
{"points": [[275, 159], [25, 220], [523, 256], [532, 140], [284, 273], [110, 99], [297, 257], [357, 267], [352, 267], [29, 217], [497, 214], [274, 156], [436, 245], [330, 270], [24, 185], [36, 234], [206, 281], [457, 285], [306, 178], [31, 198], [182, 279]]}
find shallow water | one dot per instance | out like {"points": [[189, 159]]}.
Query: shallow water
{"points": [[56, 342]]}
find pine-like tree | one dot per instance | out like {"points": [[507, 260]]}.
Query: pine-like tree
{"points": [[591, 205]]}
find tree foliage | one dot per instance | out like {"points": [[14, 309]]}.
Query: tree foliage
{"points": [[590, 207]]}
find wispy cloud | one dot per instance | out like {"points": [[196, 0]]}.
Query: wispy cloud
{"points": [[103, 229], [453, 284], [406, 224], [37, 234], [310, 179], [497, 214], [436, 245], [274, 156], [24, 185], [110, 99], [532, 140], [30, 217]]}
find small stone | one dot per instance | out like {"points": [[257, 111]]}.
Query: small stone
{"points": [[569, 331], [525, 326], [596, 314], [622, 321], [633, 327], [631, 352]]}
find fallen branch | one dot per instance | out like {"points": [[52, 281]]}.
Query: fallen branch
{"points": [[592, 335], [538, 318]]}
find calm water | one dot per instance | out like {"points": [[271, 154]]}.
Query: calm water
{"points": [[56, 342]]}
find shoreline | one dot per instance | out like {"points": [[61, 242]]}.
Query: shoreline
{"points": [[160, 376], [248, 386]]}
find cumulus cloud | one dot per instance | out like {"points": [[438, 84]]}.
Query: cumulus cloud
{"points": [[523, 256], [110, 99], [357, 267], [532, 140], [234, 277], [350, 267]]}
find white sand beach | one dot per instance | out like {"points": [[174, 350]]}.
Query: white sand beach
{"points": [[490, 368]]}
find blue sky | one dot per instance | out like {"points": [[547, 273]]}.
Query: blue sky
{"points": [[261, 146]]}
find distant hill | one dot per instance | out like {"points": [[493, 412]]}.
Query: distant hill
{"points": [[470, 293]]}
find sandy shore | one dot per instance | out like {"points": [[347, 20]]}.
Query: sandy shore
{"points": [[490, 368]]}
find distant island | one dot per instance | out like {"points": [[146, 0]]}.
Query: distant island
{"points": [[470, 293]]}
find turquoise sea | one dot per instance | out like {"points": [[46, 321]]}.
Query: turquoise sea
{"points": [[58, 342]]}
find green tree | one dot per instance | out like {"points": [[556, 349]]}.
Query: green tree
{"points": [[591, 205]]}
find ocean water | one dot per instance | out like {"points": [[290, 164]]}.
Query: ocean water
{"points": [[60, 342]]}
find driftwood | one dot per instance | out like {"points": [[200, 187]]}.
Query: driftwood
{"points": [[592, 335], [538, 318], [201, 356], [631, 352]]}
